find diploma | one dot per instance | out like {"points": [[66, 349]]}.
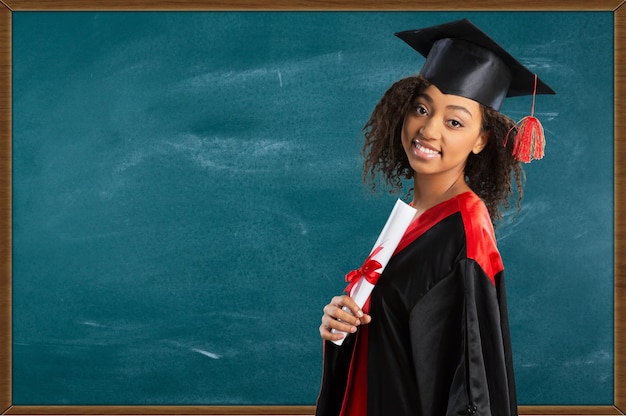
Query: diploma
{"points": [[361, 281]]}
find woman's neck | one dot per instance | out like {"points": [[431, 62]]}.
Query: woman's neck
{"points": [[429, 191]]}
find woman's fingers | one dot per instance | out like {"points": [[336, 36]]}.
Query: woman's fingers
{"points": [[341, 314]]}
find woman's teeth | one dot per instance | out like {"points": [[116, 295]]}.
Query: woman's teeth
{"points": [[421, 148]]}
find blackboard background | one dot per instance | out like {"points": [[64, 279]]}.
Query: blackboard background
{"points": [[186, 198]]}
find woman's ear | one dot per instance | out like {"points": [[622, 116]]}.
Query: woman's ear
{"points": [[481, 142]]}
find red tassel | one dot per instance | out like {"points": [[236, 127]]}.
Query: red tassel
{"points": [[530, 140]]}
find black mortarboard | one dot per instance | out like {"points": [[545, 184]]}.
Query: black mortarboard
{"points": [[462, 60]]}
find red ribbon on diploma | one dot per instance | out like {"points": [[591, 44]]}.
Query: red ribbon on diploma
{"points": [[367, 270]]}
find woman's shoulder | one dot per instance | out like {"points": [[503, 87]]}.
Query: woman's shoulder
{"points": [[479, 233]]}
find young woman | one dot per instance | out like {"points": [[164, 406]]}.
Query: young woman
{"points": [[433, 337]]}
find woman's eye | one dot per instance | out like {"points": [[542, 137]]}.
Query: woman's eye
{"points": [[455, 123], [420, 110]]}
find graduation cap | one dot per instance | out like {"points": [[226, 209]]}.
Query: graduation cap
{"points": [[463, 60]]}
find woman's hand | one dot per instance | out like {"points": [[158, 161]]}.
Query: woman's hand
{"points": [[335, 317]]}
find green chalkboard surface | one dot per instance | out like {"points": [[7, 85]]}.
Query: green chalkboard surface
{"points": [[187, 196]]}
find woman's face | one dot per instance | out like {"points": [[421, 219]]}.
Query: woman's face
{"points": [[440, 131]]}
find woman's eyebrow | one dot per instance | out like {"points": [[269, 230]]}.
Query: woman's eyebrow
{"points": [[449, 107], [426, 97], [460, 108]]}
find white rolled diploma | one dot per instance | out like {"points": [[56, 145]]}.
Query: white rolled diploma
{"points": [[399, 220]]}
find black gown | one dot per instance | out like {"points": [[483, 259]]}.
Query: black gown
{"points": [[438, 343]]}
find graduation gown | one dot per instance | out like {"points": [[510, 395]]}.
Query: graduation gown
{"points": [[438, 343]]}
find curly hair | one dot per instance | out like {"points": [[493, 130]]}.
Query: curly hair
{"points": [[490, 173]]}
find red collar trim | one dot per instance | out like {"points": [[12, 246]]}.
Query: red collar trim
{"points": [[430, 217], [480, 236]]}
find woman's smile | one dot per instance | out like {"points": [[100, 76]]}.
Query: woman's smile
{"points": [[424, 150]]}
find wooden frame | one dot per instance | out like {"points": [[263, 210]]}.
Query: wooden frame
{"points": [[618, 8]]}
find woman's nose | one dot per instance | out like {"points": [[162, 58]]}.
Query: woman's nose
{"points": [[430, 129]]}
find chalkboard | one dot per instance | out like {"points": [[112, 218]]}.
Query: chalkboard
{"points": [[186, 191]]}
